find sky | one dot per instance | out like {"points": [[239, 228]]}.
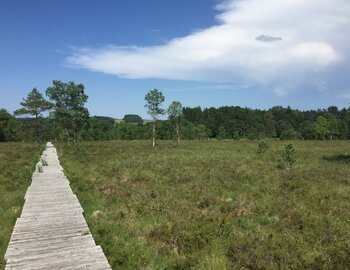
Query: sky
{"points": [[208, 53]]}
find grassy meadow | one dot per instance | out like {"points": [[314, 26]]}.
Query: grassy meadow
{"points": [[17, 161], [214, 204]]}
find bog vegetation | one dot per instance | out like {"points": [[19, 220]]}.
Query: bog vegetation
{"points": [[215, 204], [17, 161], [209, 203]]}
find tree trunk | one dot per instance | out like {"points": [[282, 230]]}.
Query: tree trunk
{"points": [[154, 134]]}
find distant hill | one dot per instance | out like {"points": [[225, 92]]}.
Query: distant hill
{"points": [[107, 119], [132, 119]]}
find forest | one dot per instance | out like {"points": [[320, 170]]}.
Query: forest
{"points": [[68, 119]]}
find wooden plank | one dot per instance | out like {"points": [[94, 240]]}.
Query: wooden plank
{"points": [[52, 232]]}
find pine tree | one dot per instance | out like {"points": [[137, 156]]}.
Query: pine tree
{"points": [[34, 105]]}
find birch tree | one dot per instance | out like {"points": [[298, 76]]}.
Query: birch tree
{"points": [[154, 100], [175, 113]]}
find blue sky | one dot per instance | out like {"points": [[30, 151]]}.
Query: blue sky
{"points": [[200, 52]]}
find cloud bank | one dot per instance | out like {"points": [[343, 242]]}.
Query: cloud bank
{"points": [[279, 44]]}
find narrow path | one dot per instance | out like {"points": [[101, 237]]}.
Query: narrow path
{"points": [[52, 232]]}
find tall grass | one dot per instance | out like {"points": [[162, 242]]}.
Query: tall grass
{"points": [[215, 204], [17, 161]]}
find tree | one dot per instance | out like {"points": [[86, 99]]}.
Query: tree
{"points": [[69, 110], [11, 128], [344, 129], [322, 127], [308, 131], [175, 113], [5, 117], [154, 99], [289, 134], [333, 124], [221, 133], [34, 105]]}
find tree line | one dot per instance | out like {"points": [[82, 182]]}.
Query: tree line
{"points": [[68, 120], [233, 123], [277, 122]]}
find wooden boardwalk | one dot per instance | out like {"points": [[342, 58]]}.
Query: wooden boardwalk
{"points": [[52, 232]]}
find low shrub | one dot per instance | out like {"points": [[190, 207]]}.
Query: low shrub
{"points": [[287, 158], [263, 147]]}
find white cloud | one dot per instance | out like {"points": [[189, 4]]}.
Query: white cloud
{"points": [[310, 37]]}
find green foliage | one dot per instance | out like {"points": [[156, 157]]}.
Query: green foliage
{"points": [[322, 127], [34, 105], [263, 147], [289, 134], [154, 100], [10, 128], [105, 119], [132, 119], [194, 123], [175, 113], [334, 125], [214, 204], [175, 110], [235, 135], [221, 133], [307, 130], [69, 111], [233, 122], [287, 158], [277, 122]]}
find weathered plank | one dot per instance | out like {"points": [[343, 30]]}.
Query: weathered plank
{"points": [[52, 232]]}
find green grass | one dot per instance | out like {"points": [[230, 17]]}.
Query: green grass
{"points": [[17, 162], [215, 204]]}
